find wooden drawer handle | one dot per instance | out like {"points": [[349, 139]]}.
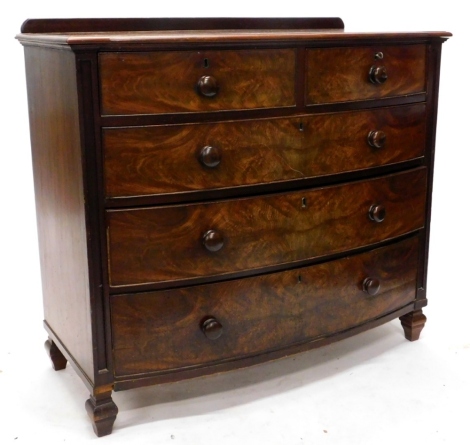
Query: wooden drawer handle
{"points": [[213, 240], [376, 138], [207, 86], [210, 156], [378, 74], [371, 286], [377, 213], [212, 328]]}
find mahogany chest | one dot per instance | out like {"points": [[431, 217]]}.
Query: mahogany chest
{"points": [[215, 193]]}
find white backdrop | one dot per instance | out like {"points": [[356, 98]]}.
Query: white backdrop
{"points": [[309, 402]]}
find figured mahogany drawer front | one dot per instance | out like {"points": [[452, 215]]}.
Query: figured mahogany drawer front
{"points": [[197, 240], [192, 326], [189, 81], [358, 73], [178, 158]]}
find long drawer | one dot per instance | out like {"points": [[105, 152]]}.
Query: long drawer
{"points": [[210, 239], [193, 326], [190, 81], [180, 158], [359, 73]]}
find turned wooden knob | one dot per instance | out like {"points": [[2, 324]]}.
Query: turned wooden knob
{"points": [[371, 286], [213, 240], [207, 86], [212, 328], [210, 156], [377, 213], [378, 74], [376, 138]]}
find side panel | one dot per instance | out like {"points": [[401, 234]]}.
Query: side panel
{"points": [[433, 71], [60, 207]]}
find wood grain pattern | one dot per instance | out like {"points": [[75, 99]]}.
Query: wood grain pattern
{"points": [[233, 274], [158, 378], [165, 81], [59, 190], [342, 74], [164, 159], [160, 331], [165, 243]]}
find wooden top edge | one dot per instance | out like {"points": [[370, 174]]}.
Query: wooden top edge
{"points": [[166, 24], [212, 36]]}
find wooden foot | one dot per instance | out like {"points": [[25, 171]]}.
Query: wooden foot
{"points": [[58, 360], [413, 324], [102, 411]]}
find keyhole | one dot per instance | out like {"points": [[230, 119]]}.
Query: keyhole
{"points": [[301, 126], [299, 279], [304, 203], [206, 63]]}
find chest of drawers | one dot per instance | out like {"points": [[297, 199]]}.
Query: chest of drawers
{"points": [[215, 193]]}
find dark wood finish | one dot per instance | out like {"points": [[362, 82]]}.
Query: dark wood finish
{"points": [[210, 156], [160, 331], [378, 74], [90, 384], [213, 240], [164, 244], [58, 360], [371, 286], [434, 62], [137, 381], [342, 74], [211, 328], [151, 24], [377, 213], [205, 195], [164, 159], [207, 86], [102, 411], [165, 81], [137, 40], [58, 182], [413, 324], [252, 156], [139, 120], [376, 138], [194, 281], [86, 67]]}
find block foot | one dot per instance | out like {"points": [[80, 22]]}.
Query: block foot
{"points": [[413, 324], [58, 360], [102, 411]]}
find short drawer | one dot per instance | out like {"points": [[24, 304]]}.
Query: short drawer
{"points": [[181, 158], [198, 240], [359, 73], [189, 327], [191, 81]]}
